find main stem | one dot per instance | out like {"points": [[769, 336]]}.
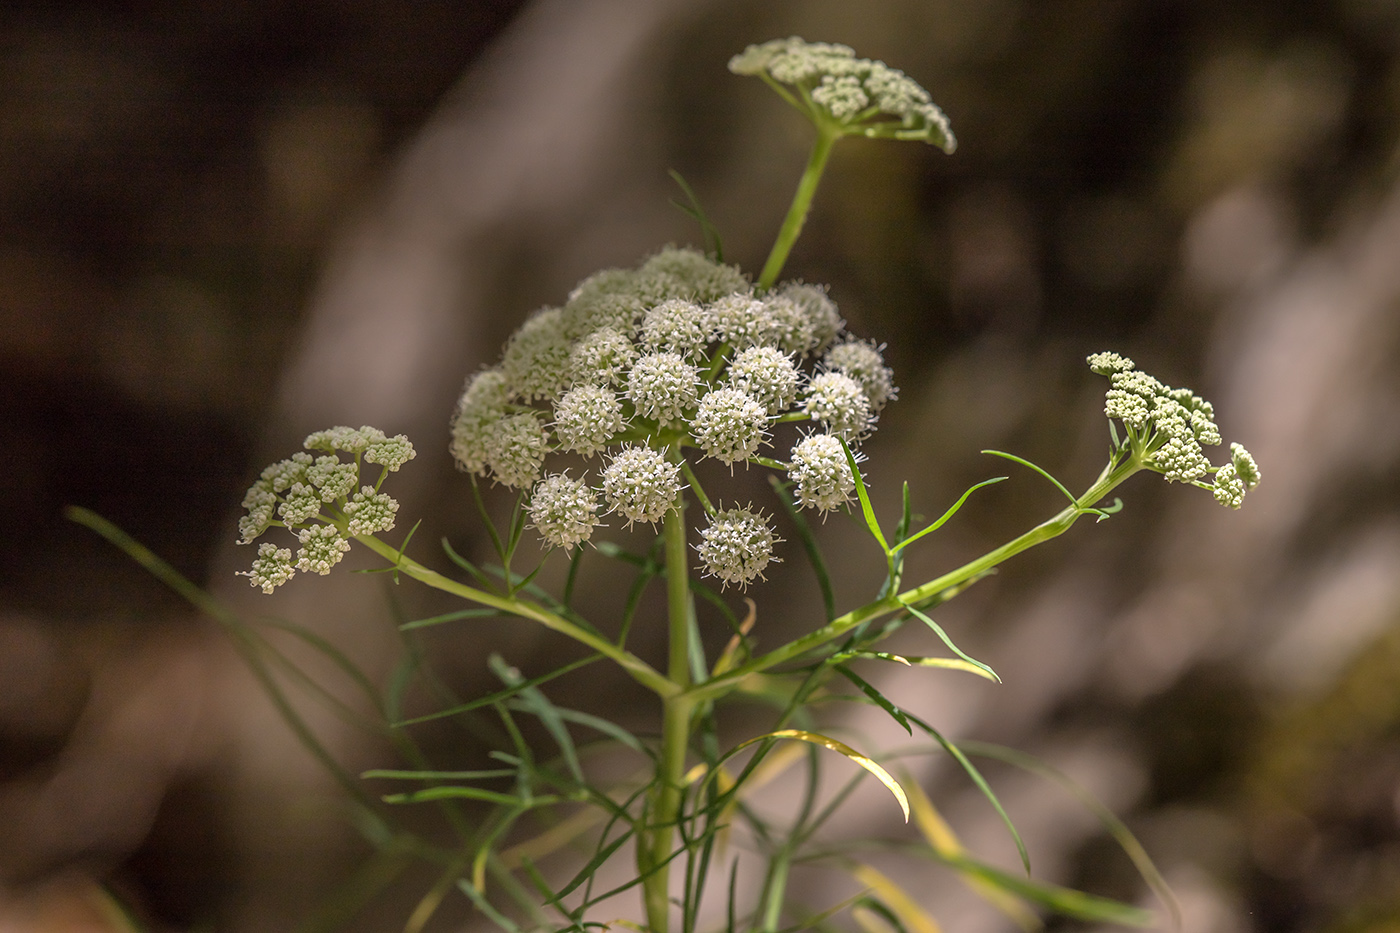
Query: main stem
{"points": [[801, 204], [659, 834]]}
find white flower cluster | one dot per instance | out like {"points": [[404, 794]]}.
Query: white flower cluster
{"points": [[316, 498], [646, 365], [864, 96], [1170, 427]]}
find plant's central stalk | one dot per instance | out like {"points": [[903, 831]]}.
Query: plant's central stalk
{"points": [[667, 794]]}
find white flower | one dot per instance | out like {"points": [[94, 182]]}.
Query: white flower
{"points": [[662, 386], [677, 326], [767, 375], [370, 511], [821, 472], [736, 546], [839, 402], [729, 425], [271, 568], [641, 484], [792, 329], [563, 510], [689, 274], [483, 403], [823, 319], [586, 418], [516, 448], [602, 357], [322, 547], [864, 363], [741, 320], [536, 358]]}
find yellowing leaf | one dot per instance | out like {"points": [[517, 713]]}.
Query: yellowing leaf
{"points": [[914, 917], [864, 761], [945, 842]]}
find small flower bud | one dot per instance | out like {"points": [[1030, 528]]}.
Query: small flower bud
{"points": [[641, 484], [736, 546], [1229, 487], [563, 510], [271, 568], [1245, 466], [821, 472], [729, 425], [370, 511], [1106, 364], [322, 547], [301, 504], [792, 330], [391, 452], [334, 478], [282, 474]]}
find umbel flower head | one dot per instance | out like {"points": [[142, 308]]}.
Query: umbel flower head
{"points": [[859, 96], [737, 546], [678, 358], [1167, 430], [316, 499]]}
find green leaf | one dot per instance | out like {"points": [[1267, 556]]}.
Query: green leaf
{"points": [[982, 785], [695, 211], [950, 513], [876, 696], [1067, 901], [866, 508], [1026, 463], [451, 792], [530, 699], [484, 613], [1110, 822], [938, 630]]}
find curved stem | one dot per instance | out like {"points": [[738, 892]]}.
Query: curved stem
{"points": [[801, 204], [1112, 476], [638, 669]]}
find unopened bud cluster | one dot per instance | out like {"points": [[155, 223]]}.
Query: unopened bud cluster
{"points": [[320, 499], [679, 358], [1169, 428]]}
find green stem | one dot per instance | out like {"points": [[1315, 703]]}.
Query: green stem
{"points": [[801, 204], [657, 837], [638, 669], [1112, 476]]}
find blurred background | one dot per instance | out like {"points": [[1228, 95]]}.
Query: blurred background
{"points": [[225, 225]]}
